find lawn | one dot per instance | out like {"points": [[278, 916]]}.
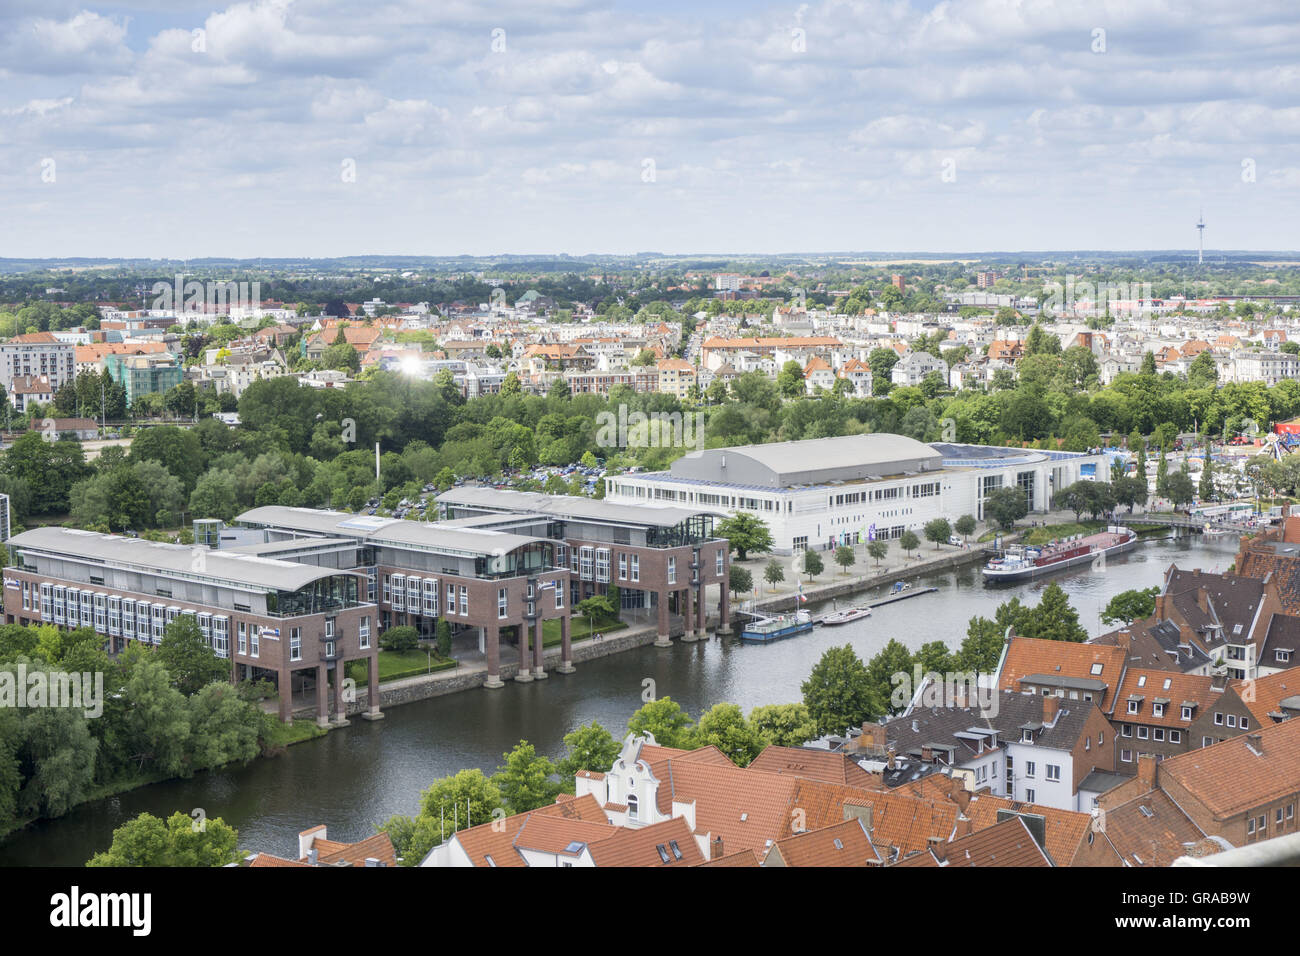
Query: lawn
{"points": [[277, 733], [579, 630], [394, 665]]}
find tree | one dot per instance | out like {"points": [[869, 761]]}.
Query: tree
{"points": [[812, 564], [176, 449], [1006, 506], [882, 362], [965, 526], [982, 648], [401, 638], [740, 580], [1129, 606], [1179, 488], [1205, 489], [466, 799], [156, 729], [223, 728], [790, 380], [1054, 619], [784, 725], [181, 841], [937, 530], [893, 658], [510, 385], [724, 726], [774, 573], [845, 557], [665, 719], [188, 658], [442, 637], [1203, 372], [878, 549], [1130, 490], [597, 609], [525, 779], [590, 747], [745, 533], [214, 496], [837, 692], [909, 542]]}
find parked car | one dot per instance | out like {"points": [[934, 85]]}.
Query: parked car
{"points": [[955, 540]]}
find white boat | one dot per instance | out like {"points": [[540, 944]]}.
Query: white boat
{"points": [[846, 615]]}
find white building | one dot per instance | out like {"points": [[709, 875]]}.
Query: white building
{"points": [[912, 368], [38, 354], [823, 492]]}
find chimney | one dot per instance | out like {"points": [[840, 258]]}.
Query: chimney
{"points": [[1124, 640], [958, 794], [1256, 743], [716, 852], [927, 753], [1162, 605], [889, 763], [873, 738], [964, 826], [1147, 770], [938, 846], [1202, 601], [1051, 706], [1218, 682]]}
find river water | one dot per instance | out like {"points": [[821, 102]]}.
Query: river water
{"points": [[355, 778]]}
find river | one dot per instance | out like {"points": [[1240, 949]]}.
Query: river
{"points": [[356, 777]]}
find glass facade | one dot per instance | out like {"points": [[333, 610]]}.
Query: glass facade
{"points": [[333, 593]]}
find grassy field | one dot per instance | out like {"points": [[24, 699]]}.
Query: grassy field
{"points": [[280, 734], [579, 630], [394, 665]]}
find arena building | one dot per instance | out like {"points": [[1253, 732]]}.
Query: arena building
{"points": [[823, 492]]}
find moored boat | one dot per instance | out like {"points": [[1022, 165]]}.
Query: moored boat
{"points": [[1023, 562], [766, 629], [846, 615]]}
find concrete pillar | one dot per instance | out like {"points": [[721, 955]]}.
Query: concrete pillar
{"points": [[372, 686], [340, 704], [701, 615], [724, 611], [566, 648], [492, 640], [523, 675], [539, 672], [322, 694], [284, 680], [662, 640], [688, 615]]}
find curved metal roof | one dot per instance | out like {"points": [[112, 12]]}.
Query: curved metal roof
{"points": [[178, 560]]}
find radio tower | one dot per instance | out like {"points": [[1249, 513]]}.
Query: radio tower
{"points": [[1200, 239]]}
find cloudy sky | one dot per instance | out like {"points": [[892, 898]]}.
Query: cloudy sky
{"points": [[323, 127]]}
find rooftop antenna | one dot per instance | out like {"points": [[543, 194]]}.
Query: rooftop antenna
{"points": [[1200, 238]]}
